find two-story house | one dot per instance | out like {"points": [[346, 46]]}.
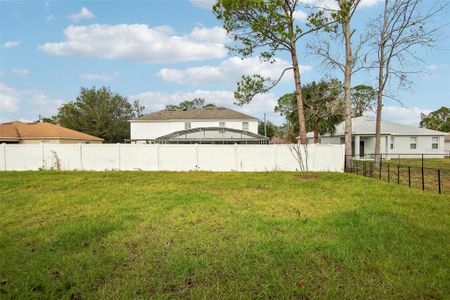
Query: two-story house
{"points": [[209, 125]]}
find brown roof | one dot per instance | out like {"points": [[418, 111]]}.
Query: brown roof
{"points": [[208, 113], [19, 130]]}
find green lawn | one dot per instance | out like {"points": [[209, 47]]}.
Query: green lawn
{"points": [[110, 235], [436, 163]]}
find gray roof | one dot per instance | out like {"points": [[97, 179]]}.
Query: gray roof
{"points": [[208, 113], [366, 126]]}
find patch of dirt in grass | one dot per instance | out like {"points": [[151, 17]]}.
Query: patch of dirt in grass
{"points": [[56, 275], [177, 288], [306, 177]]}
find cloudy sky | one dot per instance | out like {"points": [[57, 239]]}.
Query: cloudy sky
{"points": [[163, 52]]}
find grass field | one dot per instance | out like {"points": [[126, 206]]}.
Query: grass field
{"points": [[122, 235], [435, 163]]}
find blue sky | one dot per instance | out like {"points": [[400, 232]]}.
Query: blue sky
{"points": [[162, 52]]}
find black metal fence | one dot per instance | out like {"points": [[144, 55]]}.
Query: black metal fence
{"points": [[430, 172]]}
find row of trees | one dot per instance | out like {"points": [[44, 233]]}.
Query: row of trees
{"points": [[385, 48]]}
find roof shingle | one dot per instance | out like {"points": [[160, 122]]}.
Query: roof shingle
{"points": [[19, 130], [208, 113]]}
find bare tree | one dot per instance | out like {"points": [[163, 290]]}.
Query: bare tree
{"points": [[301, 155], [323, 49], [404, 26]]}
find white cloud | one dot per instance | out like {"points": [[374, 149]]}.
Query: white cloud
{"points": [[140, 43], [155, 101], [8, 98], [205, 4], [101, 77], [300, 15], [11, 100], [84, 13], [50, 18], [47, 6], [21, 72], [11, 44], [333, 4], [229, 70], [408, 116], [431, 71]]}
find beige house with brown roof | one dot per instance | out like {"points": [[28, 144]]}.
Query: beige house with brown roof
{"points": [[17, 132], [209, 125]]}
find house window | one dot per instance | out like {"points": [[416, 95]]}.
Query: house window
{"points": [[342, 140], [435, 142], [187, 125], [392, 143], [221, 124], [245, 126], [413, 142]]}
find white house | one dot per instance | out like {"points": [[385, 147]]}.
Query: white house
{"points": [[210, 125], [395, 139], [447, 144]]}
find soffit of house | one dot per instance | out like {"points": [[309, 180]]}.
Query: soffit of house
{"points": [[21, 130], [209, 113]]}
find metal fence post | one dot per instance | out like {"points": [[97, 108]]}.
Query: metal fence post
{"points": [[439, 180], [398, 174], [423, 181], [389, 174], [409, 176], [380, 166]]}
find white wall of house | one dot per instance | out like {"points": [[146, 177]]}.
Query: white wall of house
{"points": [[402, 144], [154, 129]]}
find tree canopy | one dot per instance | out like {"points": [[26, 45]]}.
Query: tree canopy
{"points": [[190, 104], [324, 108], [437, 120], [363, 99], [100, 112], [268, 129]]}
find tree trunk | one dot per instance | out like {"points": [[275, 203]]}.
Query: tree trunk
{"points": [[347, 91], [380, 87], [316, 135], [298, 95]]}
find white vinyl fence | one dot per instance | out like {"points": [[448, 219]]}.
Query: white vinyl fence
{"points": [[101, 157]]}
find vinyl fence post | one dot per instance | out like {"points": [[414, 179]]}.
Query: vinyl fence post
{"points": [[275, 150], [157, 156], [42, 153], [81, 157], [196, 156], [439, 180], [120, 158], [4, 156], [236, 160]]}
